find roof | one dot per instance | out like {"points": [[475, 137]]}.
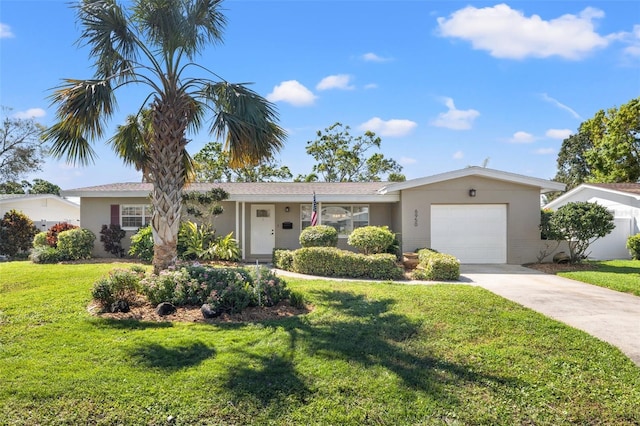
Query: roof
{"points": [[631, 190], [257, 191], [11, 198], [370, 192], [544, 184]]}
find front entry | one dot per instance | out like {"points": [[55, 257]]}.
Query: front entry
{"points": [[263, 228]]}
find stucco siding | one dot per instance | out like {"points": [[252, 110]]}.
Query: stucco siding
{"points": [[523, 212]]}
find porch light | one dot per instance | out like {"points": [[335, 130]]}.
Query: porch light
{"points": [[286, 209], [472, 192]]}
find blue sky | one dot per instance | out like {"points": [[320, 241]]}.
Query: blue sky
{"points": [[446, 84]]}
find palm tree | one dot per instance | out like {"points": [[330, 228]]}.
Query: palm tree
{"points": [[154, 43]]}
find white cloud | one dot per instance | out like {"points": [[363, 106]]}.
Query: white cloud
{"points": [[407, 160], [508, 33], [633, 41], [372, 57], [391, 128], [522, 137], [560, 105], [545, 151], [458, 155], [30, 113], [339, 81], [455, 119], [558, 133], [292, 92], [5, 31], [371, 86]]}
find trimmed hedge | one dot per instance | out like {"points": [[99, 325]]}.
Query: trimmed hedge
{"points": [[334, 262], [282, 259], [76, 243], [319, 236], [633, 244], [437, 266], [371, 239]]}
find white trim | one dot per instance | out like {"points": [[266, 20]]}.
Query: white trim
{"points": [[544, 184]]}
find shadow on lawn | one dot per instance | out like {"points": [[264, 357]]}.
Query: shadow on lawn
{"points": [[362, 331], [130, 324], [171, 357]]}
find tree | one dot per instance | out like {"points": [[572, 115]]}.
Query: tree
{"points": [[573, 167], [606, 148], [212, 164], [154, 43], [580, 224], [22, 150], [615, 134], [16, 233], [342, 158], [39, 186]]}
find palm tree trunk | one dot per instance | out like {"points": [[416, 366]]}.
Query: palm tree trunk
{"points": [[167, 174]]}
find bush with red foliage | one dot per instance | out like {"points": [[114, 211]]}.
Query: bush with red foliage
{"points": [[52, 233]]}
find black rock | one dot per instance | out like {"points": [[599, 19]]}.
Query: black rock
{"points": [[165, 308], [120, 306], [209, 312]]}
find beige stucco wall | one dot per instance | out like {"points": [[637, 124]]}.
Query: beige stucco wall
{"points": [[523, 212]]}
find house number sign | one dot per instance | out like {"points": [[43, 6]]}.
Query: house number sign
{"points": [[415, 217]]}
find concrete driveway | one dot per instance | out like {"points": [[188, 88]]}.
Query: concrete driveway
{"points": [[606, 314]]}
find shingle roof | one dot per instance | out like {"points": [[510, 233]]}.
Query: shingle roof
{"points": [[631, 188]]}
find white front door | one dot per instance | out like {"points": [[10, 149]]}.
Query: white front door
{"points": [[263, 228]]}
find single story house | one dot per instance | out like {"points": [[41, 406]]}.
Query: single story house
{"points": [[623, 200], [479, 215], [45, 210]]}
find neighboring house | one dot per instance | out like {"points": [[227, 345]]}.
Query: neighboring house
{"points": [[479, 215], [45, 210], [623, 200]]}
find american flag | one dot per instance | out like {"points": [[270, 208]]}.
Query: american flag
{"points": [[314, 211]]}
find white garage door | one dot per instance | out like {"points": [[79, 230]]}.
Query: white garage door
{"points": [[475, 233]]}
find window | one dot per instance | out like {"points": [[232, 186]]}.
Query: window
{"points": [[135, 216], [345, 218]]}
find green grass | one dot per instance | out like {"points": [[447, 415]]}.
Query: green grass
{"points": [[619, 275], [381, 354]]}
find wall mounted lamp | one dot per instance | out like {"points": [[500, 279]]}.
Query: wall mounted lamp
{"points": [[286, 209], [472, 192]]}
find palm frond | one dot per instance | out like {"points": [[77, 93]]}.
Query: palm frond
{"points": [[106, 30], [67, 141], [86, 104], [247, 120]]}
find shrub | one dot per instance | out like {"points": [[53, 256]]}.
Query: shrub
{"points": [[333, 262], [111, 237], [142, 244], [633, 244], [52, 233], [75, 244], [371, 239], [225, 289], [45, 254], [16, 233], [319, 236], [438, 266], [224, 248], [121, 284], [426, 253], [194, 241], [282, 259], [268, 289], [40, 240]]}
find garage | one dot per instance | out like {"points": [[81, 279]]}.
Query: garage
{"points": [[474, 233]]}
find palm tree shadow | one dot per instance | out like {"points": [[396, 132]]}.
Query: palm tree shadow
{"points": [[171, 358], [372, 335]]}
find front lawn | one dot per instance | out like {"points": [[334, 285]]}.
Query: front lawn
{"points": [[619, 275], [366, 354]]}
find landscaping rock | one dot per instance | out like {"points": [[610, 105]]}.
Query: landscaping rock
{"points": [[165, 308], [561, 257], [209, 312], [120, 306]]}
